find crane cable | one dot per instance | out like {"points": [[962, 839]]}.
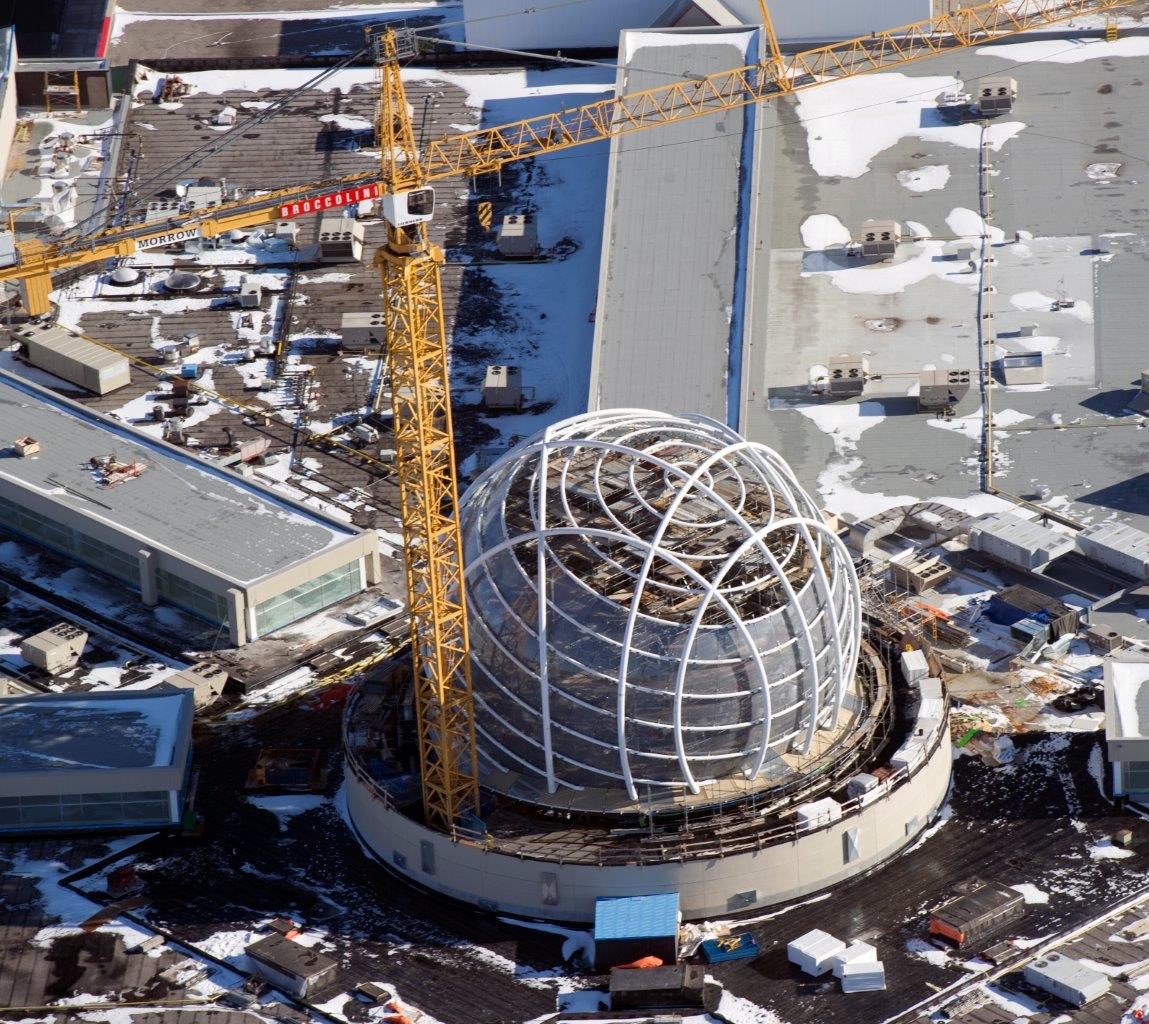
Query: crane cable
{"points": [[215, 146]]}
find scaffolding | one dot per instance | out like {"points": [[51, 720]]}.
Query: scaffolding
{"points": [[63, 85]]}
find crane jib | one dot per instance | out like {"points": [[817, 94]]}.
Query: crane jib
{"points": [[329, 201], [169, 238]]}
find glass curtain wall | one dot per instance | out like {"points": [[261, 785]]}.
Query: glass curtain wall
{"points": [[73, 810], [306, 599]]}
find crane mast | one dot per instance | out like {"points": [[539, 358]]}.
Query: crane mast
{"points": [[425, 463]]}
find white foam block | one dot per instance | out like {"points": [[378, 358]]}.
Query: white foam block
{"points": [[914, 665], [813, 951], [855, 952], [863, 977]]}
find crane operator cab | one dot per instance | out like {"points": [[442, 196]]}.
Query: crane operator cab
{"points": [[402, 209]]}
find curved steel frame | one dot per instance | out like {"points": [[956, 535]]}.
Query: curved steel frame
{"points": [[640, 436]]}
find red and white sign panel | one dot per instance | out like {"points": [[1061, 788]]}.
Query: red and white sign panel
{"points": [[330, 201]]}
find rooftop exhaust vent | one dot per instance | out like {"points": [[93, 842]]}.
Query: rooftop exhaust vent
{"points": [[181, 281]]}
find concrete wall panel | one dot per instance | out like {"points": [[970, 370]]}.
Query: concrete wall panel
{"points": [[784, 871]]}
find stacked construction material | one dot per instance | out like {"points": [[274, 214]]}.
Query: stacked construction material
{"points": [[862, 976], [859, 968], [857, 965], [814, 951]]}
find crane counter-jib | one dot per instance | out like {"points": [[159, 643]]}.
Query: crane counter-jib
{"points": [[39, 260]]}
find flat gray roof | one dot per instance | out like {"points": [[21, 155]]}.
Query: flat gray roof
{"points": [[179, 503], [1075, 123], [669, 289], [85, 732], [1024, 532]]}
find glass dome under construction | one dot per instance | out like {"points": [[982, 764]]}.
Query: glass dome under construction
{"points": [[654, 604]]}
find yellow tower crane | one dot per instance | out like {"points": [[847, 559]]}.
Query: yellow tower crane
{"points": [[417, 343]]}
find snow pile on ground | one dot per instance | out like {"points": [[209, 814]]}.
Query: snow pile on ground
{"points": [[737, 1010], [575, 942], [1040, 302], [1013, 1002], [229, 946], [969, 224], [845, 424], [1005, 418], [287, 806], [1106, 849], [1032, 894], [923, 950], [925, 260]]}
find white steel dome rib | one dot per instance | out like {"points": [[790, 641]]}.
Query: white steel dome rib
{"points": [[700, 619]]}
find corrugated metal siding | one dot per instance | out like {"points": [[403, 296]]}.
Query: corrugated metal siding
{"points": [[80, 361], [636, 916]]}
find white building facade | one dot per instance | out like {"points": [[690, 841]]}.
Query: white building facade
{"points": [[595, 24]]}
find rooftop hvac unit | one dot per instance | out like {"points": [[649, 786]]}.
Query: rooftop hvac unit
{"points": [[160, 210], [880, 238], [518, 235], [942, 389], [503, 388], [55, 650], [361, 331], [1022, 368], [250, 294], [340, 240], [205, 679], [287, 230], [225, 116], [1068, 979], [847, 375], [996, 95], [200, 195], [73, 357]]}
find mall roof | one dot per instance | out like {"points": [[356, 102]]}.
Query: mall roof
{"points": [[178, 503]]}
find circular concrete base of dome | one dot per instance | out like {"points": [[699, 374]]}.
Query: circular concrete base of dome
{"points": [[554, 866]]}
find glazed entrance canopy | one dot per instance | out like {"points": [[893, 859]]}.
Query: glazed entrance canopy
{"points": [[654, 603]]}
